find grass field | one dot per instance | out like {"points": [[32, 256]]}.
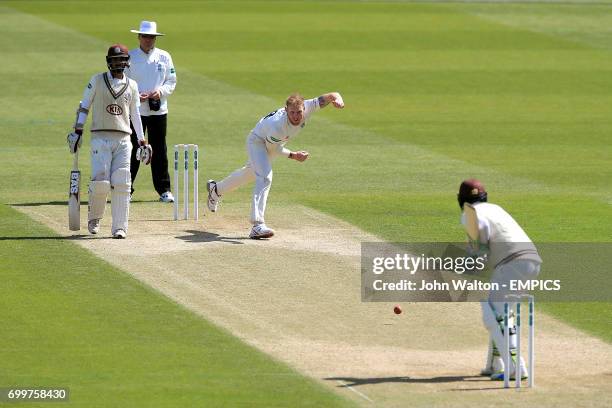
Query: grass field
{"points": [[514, 94], [74, 321]]}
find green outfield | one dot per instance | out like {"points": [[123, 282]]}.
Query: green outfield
{"points": [[71, 320], [517, 95]]}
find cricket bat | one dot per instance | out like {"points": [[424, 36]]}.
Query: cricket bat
{"points": [[471, 222], [74, 196]]}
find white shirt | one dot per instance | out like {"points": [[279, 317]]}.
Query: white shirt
{"points": [[116, 84], [503, 235], [275, 128], [153, 71]]}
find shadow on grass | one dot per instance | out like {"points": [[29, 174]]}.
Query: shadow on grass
{"points": [[353, 382], [65, 203], [51, 238], [41, 204]]}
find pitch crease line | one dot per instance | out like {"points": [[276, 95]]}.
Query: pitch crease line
{"points": [[362, 395]]}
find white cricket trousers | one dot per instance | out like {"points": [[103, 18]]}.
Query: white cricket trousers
{"points": [[110, 151], [258, 168], [521, 270], [110, 172]]}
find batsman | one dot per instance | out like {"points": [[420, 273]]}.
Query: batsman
{"points": [[495, 234], [113, 99]]}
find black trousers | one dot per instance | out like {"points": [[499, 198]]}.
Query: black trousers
{"points": [[155, 128]]}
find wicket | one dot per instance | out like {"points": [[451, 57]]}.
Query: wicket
{"points": [[185, 148], [530, 365]]}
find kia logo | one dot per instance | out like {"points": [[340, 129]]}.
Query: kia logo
{"points": [[114, 109]]}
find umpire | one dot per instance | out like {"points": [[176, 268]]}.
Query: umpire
{"points": [[154, 72]]}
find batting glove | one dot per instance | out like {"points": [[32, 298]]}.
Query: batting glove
{"points": [[144, 153], [75, 139]]}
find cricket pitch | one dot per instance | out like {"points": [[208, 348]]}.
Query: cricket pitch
{"points": [[297, 298]]}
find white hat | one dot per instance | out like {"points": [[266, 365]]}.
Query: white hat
{"points": [[148, 28]]}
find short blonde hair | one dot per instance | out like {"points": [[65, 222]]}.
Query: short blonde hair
{"points": [[295, 99]]}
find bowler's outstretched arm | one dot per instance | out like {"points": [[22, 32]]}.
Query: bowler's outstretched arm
{"points": [[334, 97]]}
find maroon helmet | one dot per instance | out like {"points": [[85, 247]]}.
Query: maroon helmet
{"points": [[117, 58], [471, 191]]}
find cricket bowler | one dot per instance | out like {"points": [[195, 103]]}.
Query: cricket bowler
{"points": [[265, 142]]}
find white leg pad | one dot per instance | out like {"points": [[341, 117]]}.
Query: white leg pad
{"points": [[98, 191], [495, 328], [121, 183], [489, 361]]}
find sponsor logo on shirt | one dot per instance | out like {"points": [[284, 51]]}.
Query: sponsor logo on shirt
{"points": [[114, 109], [275, 140]]}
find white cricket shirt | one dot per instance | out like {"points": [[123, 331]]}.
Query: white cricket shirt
{"points": [[275, 128], [504, 236], [152, 71], [114, 102]]}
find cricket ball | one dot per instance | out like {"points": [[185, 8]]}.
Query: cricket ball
{"points": [[397, 309]]}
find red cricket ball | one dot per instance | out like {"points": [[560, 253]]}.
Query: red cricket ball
{"points": [[397, 309]]}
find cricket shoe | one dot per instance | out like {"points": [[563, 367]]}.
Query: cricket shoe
{"points": [[119, 234], [166, 197], [499, 375], [93, 226], [496, 366], [260, 231], [213, 197]]}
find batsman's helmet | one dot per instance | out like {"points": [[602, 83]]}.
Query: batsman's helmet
{"points": [[117, 58], [471, 191]]}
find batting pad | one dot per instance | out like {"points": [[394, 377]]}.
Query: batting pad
{"points": [[120, 198], [495, 328], [98, 190]]}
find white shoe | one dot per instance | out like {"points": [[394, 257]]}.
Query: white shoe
{"points": [[494, 362], [213, 198], [166, 197], [119, 234], [261, 231], [93, 226], [499, 374], [497, 366]]}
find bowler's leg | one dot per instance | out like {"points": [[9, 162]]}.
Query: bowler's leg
{"points": [[238, 178], [262, 167]]}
